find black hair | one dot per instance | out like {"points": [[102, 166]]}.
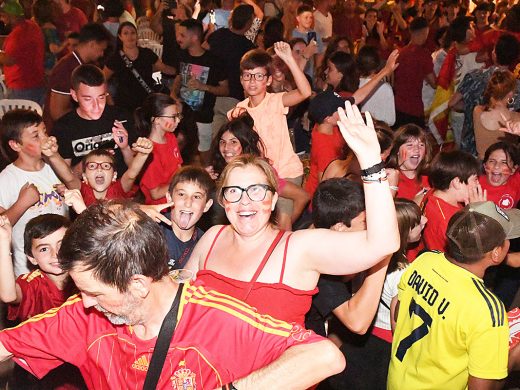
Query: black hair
{"points": [[418, 23], [87, 74], [303, 8], [368, 60], [512, 21], [115, 240], [194, 27], [12, 125], [273, 31], [457, 29], [241, 16], [337, 200], [507, 50], [447, 166], [346, 65], [120, 28], [94, 32], [113, 8], [153, 106], [41, 227]]}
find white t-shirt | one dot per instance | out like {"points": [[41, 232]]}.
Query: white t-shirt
{"points": [[380, 103], [389, 292], [12, 179], [323, 24]]}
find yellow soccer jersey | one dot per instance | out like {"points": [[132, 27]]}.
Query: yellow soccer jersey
{"points": [[449, 327]]}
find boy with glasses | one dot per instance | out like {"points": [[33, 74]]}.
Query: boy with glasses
{"points": [[269, 111]]}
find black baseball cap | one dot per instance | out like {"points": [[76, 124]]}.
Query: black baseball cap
{"points": [[325, 104]]}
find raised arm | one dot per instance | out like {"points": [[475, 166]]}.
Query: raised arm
{"points": [[303, 88], [9, 290], [27, 197], [142, 147], [49, 148], [341, 253]]}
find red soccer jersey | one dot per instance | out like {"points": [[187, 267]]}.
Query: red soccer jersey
{"points": [[115, 191], [505, 196], [325, 148], [39, 295], [166, 159], [438, 213], [201, 355], [409, 188]]}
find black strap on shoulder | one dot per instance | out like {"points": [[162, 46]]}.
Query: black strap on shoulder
{"points": [[162, 344]]}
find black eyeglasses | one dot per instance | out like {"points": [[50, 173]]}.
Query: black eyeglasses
{"points": [[255, 192], [256, 76], [92, 166], [173, 116]]}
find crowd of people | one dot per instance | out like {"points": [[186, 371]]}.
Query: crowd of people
{"points": [[290, 194]]}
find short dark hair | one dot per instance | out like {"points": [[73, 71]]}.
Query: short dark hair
{"points": [[507, 50], [12, 125], [337, 200], [41, 227], [457, 29], [194, 26], [197, 175], [101, 152], [418, 23], [115, 240], [241, 16], [371, 10], [256, 58], [113, 8], [303, 8], [87, 74], [368, 60], [94, 32], [447, 166]]}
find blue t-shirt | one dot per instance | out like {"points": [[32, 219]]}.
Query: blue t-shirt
{"points": [[179, 252], [309, 68]]}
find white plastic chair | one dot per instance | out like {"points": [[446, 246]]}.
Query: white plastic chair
{"points": [[11, 104], [157, 48], [148, 33], [143, 21]]}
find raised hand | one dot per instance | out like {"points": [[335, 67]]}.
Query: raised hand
{"points": [[28, 195], [361, 137], [475, 193], [120, 135], [283, 50], [391, 62], [48, 145], [154, 212], [6, 229], [380, 28], [142, 145], [73, 198], [509, 126]]}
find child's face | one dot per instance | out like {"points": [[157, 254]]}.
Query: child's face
{"points": [[99, 173], [464, 189], [499, 167], [190, 202], [415, 232], [91, 100], [45, 252], [169, 119], [229, 146], [411, 153], [254, 87], [305, 20], [29, 143]]}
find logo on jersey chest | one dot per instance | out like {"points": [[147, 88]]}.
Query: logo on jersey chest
{"points": [[183, 378]]}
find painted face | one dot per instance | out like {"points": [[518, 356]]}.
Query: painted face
{"points": [[128, 36], [499, 167], [119, 308], [45, 252], [30, 140], [191, 202], [254, 87], [333, 76], [97, 175], [411, 153], [305, 20], [169, 119], [249, 217], [229, 146], [415, 232], [91, 100]]}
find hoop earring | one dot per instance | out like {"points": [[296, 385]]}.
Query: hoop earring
{"points": [[511, 100]]}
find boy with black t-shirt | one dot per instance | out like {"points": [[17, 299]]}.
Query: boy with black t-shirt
{"points": [[93, 124], [201, 78]]}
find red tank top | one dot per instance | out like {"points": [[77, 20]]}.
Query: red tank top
{"points": [[275, 299]]}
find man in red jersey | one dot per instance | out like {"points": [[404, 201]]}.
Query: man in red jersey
{"points": [[117, 257]]}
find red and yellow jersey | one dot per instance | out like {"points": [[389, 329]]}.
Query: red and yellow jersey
{"points": [[449, 327], [218, 339]]}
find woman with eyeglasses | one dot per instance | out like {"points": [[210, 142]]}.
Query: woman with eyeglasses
{"points": [[490, 118], [276, 271], [157, 119]]}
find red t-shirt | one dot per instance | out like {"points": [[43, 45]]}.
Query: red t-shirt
{"points": [[352, 27], [115, 191], [39, 295], [438, 213], [325, 148], [166, 159], [201, 354], [72, 21], [26, 45], [415, 63], [505, 196], [409, 188]]}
